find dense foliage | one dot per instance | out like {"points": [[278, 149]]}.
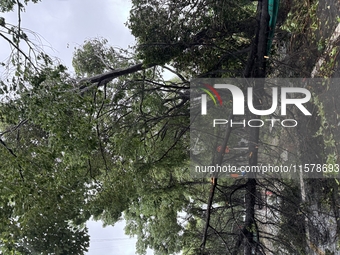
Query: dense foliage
{"points": [[113, 142]]}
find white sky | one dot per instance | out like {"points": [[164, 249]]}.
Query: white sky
{"points": [[64, 25]]}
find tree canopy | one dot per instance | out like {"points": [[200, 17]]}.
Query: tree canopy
{"points": [[113, 140]]}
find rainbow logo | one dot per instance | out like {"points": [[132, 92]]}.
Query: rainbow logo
{"points": [[211, 91]]}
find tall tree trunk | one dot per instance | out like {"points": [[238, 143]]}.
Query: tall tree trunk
{"points": [[258, 71]]}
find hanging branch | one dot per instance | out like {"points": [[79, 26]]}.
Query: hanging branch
{"points": [[14, 155]]}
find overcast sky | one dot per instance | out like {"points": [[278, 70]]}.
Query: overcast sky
{"points": [[64, 25]]}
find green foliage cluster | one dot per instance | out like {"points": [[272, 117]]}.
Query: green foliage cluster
{"points": [[38, 155], [9, 5], [94, 57], [70, 154], [195, 37], [73, 150]]}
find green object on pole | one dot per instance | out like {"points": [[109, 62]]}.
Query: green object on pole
{"points": [[273, 9]]}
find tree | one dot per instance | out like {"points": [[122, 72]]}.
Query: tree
{"points": [[44, 172], [27, 57], [114, 142], [200, 30]]}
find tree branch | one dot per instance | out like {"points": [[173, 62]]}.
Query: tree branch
{"points": [[108, 76]]}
